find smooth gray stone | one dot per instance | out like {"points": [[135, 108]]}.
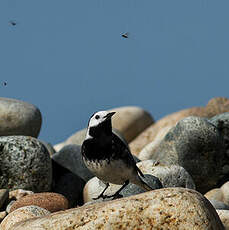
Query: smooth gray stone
{"points": [[19, 118], [24, 163], [195, 144]]}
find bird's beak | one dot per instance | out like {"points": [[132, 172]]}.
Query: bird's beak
{"points": [[109, 115]]}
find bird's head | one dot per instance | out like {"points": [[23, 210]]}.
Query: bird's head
{"points": [[100, 122]]}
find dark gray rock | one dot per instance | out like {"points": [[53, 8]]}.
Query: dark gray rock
{"points": [[221, 121], [71, 186], [195, 144], [19, 118], [4, 196], [24, 163], [70, 158]]}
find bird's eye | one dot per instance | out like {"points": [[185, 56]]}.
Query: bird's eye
{"points": [[97, 117]]}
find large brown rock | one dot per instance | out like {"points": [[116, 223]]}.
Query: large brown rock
{"points": [[50, 201], [169, 208]]}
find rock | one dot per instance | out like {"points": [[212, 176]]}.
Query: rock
{"points": [[224, 217], [19, 118], [195, 144], [76, 139], [225, 192], [95, 186], [221, 121], [214, 194], [149, 134], [25, 164], [131, 121], [219, 205], [170, 176], [4, 196], [2, 215], [157, 209], [21, 214], [70, 157], [215, 106], [8, 207], [49, 147], [50, 201], [19, 193], [71, 186], [148, 151]]}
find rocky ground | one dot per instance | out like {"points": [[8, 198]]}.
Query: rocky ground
{"points": [[184, 156]]}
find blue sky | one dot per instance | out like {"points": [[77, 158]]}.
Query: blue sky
{"points": [[67, 57]]}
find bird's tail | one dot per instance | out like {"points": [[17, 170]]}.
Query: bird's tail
{"points": [[143, 184]]}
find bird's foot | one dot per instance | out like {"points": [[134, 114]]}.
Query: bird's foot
{"points": [[100, 196]]}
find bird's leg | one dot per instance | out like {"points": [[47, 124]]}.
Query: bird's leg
{"points": [[117, 195], [101, 194]]}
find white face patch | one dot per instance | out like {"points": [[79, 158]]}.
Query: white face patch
{"points": [[95, 120]]}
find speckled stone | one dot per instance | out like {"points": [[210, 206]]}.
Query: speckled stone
{"points": [[94, 187], [22, 214], [4, 195], [53, 202], [169, 208], [169, 175], [19, 118], [24, 163], [195, 144]]}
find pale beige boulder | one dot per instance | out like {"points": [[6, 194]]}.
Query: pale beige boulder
{"points": [[225, 192], [21, 214], [214, 194], [169, 208], [224, 217], [148, 151]]}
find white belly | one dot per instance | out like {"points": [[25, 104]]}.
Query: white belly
{"points": [[115, 172]]}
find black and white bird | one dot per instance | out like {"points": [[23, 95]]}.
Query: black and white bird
{"points": [[108, 157]]}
